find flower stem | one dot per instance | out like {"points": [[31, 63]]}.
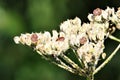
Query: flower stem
{"points": [[107, 60], [114, 38], [64, 66], [74, 65], [80, 61], [61, 64], [91, 77]]}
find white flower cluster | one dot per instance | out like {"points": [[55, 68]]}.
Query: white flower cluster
{"points": [[44, 43], [106, 16], [86, 39]]}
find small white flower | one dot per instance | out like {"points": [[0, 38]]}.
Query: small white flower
{"points": [[28, 39], [25, 39], [65, 26], [98, 18], [118, 26], [104, 14], [92, 35], [71, 26], [114, 18], [17, 39], [62, 34], [47, 36], [72, 39], [40, 48], [110, 10], [76, 21], [85, 49], [54, 35], [103, 55], [118, 13], [85, 27], [47, 48], [98, 48], [101, 35], [90, 17], [106, 26]]}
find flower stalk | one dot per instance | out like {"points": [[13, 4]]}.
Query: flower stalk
{"points": [[114, 38], [107, 60], [60, 64], [73, 64]]}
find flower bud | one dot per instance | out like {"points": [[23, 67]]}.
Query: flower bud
{"points": [[60, 39], [97, 12], [16, 39], [83, 40], [34, 37]]}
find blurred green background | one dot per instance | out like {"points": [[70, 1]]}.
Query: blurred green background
{"points": [[18, 62]]}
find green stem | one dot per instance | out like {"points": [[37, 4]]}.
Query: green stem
{"points": [[114, 38], [107, 60], [64, 66], [73, 64], [90, 77], [80, 61], [61, 64]]}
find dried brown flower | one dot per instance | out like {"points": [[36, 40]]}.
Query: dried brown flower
{"points": [[34, 37], [97, 12]]}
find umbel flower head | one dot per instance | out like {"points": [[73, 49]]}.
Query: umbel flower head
{"points": [[86, 40], [44, 42]]}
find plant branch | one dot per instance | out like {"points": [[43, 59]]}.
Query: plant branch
{"points": [[114, 38], [74, 65], [107, 60], [64, 66], [80, 61], [61, 64]]}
